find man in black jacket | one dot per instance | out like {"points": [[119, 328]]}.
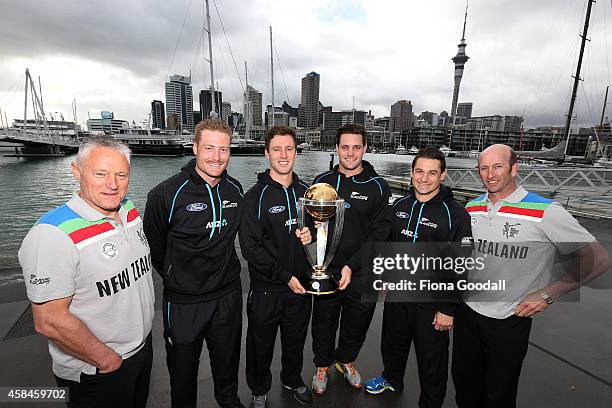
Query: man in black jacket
{"points": [[277, 262], [367, 218], [191, 222], [429, 213]]}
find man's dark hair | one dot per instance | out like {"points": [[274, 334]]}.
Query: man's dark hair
{"points": [[279, 130], [430, 153], [352, 129]]}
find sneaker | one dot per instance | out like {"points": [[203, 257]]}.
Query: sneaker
{"points": [[302, 394], [319, 381], [259, 401], [351, 374], [377, 385]]}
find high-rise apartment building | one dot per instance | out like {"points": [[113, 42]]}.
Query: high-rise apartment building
{"points": [[226, 111], [158, 114], [253, 107], [179, 102], [206, 103], [401, 116], [308, 115]]}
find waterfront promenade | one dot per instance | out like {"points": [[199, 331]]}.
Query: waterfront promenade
{"points": [[569, 362]]}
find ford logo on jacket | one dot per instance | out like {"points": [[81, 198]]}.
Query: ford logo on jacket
{"points": [[196, 207], [276, 209]]}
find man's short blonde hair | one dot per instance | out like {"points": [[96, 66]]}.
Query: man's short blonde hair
{"points": [[213, 124]]}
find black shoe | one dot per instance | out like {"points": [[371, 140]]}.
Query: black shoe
{"points": [[239, 405], [302, 394], [260, 401]]}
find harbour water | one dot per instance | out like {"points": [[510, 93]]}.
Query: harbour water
{"points": [[568, 363], [31, 187]]}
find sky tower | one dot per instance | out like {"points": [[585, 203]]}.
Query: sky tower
{"points": [[460, 59]]}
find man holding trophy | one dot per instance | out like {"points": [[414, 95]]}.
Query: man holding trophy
{"points": [[270, 242], [367, 217]]}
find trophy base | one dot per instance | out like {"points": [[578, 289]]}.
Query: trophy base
{"points": [[325, 286]]}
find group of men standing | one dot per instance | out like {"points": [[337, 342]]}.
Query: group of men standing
{"points": [[88, 267]]}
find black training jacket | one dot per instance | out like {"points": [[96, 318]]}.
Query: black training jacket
{"points": [[191, 228], [441, 219], [267, 233], [367, 214]]}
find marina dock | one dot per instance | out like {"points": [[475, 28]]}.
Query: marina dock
{"points": [[569, 363]]}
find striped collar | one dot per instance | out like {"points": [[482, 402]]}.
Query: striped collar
{"points": [[87, 212], [516, 196]]}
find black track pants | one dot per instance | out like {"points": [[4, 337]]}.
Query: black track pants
{"points": [[267, 311], [346, 309], [186, 326], [126, 387], [407, 323], [487, 358]]}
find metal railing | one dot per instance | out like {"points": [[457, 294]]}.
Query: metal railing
{"points": [[592, 181]]}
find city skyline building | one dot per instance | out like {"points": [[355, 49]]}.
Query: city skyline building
{"points": [[495, 122], [106, 123], [459, 60], [293, 112], [401, 116], [308, 111], [205, 99], [253, 107], [427, 118], [179, 103], [280, 117], [226, 111], [331, 121], [464, 109], [158, 114]]}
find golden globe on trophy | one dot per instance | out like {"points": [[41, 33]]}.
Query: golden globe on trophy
{"points": [[321, 204]]}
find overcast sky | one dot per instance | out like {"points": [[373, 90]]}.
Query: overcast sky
{"points": [[116, 55]]}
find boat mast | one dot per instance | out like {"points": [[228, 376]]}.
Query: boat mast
{"points": [[272, 75], [210, 61], [603, 112], [74, 114], [603, 109], [247, 113], [40, 92], [577, 76], [25, 103]]}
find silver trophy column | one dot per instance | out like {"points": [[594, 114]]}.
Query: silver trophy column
{"points": [[321, 205]]}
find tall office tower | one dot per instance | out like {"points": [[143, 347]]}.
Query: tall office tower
{"points": [[226, 111], [460, 59], [253, 108], [158, 114], [308, 115], [206, 103], [464, 109], [401, 116], [179, 102]]}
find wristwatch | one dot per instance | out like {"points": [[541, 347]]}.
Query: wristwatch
{"points": [[547, 298]]}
